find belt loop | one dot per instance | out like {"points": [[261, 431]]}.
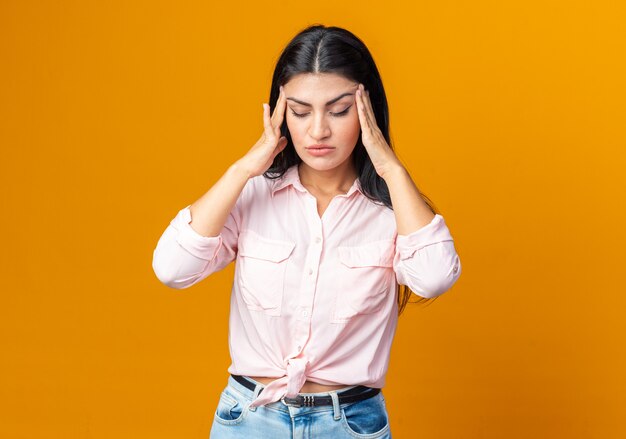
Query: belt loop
{"points": [[336, 408], [257, 390]]}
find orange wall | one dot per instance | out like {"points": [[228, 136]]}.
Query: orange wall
{"points": [[509, 115]]}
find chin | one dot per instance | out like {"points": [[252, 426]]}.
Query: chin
{"points": [[323, 165]]}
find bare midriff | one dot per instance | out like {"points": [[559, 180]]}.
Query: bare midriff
{"points": [[308, 387]]}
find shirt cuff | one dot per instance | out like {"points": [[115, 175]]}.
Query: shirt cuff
{"points": [[203, 247], [432, 233]]}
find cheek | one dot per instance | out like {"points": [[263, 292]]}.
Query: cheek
{"points": [[352, 126], [295, 128], [291, 124]]}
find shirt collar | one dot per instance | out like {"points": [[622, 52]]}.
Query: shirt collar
{"points": [[291, 177]]}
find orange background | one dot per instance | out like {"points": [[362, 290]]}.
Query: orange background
{"points": [[510, 116]]}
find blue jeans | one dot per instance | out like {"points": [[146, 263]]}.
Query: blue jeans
{"points": [[233, 417]]}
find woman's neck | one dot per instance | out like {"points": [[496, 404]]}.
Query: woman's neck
{"points": [[330, 182]]}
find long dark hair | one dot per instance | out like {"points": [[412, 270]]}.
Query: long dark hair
{"points": [[321, 49]]}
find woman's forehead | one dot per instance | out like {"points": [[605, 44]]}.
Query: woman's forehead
{"points": [[322, 88], [319, 81]]}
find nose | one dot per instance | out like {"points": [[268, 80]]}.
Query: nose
{"points": [[319, 128]]}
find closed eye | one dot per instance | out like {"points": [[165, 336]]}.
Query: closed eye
{"points": [[343, 113]]}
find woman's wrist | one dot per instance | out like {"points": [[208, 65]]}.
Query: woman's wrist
{"points": [[239, 168]]}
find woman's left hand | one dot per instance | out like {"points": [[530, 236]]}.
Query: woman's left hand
{"points": [[382, 156]]}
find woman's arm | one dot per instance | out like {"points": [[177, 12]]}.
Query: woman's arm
{"points": [[186, 254], [409, 207], [209, 212], [426, 259]]}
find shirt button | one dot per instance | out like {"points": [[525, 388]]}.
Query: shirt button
{"points": [[305, 313], [318, 239], [310, 271], [299, 347], [456, 268]]}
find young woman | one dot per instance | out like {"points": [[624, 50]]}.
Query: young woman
{"points": [[324, 223]]}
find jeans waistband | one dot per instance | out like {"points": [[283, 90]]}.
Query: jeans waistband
{"points": [[279, 405]]}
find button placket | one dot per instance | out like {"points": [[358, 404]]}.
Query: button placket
{"points": [[307, 293]]}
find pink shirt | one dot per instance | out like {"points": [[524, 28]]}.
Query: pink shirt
{"points": [[312, 298]]}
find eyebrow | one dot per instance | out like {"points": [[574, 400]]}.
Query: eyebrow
{"points": [[332, 101]]}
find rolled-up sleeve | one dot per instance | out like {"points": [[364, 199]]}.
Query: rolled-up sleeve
{"points": [[183, 257], [426, 260]]}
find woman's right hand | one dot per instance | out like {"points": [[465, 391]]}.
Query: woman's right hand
{"points": [[260, 157]]}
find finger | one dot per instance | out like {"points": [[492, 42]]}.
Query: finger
{"points": [[266, 118], [283, 107], [279, 109], [368, 102], [362, 110], [366, 107], [369, 114]]}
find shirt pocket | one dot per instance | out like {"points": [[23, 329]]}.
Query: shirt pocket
{"points": [[365, 276], [262, 267]]}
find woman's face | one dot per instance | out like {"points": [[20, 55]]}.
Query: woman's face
{"points": [[312, 120]]}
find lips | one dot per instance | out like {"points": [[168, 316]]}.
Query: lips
{"points": [[320, 146], [317, 151]]}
